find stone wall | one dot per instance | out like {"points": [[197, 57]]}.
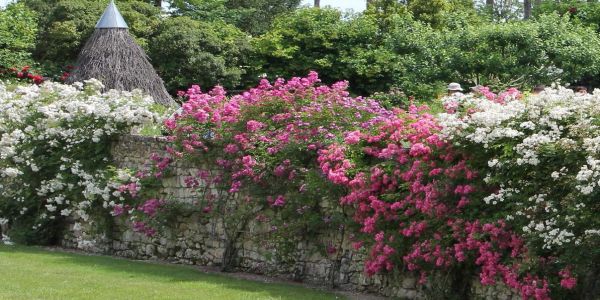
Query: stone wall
{"points": [[192, 240]]}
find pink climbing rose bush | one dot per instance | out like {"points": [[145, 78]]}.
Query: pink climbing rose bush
{"points": [[264, 145], [417, 204], [429, 193]]}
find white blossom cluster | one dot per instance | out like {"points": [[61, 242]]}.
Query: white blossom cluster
{"points": [[50, 133], [543, 153], [6, 240]]}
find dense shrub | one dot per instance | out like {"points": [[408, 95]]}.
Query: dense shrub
{"points": [[538, 158], [18, 29], [443, 13], [353, 47], [524, 54], [378, 51], [307, 39], [186, 51], [582, 12], [417, 48], [55, 154], [252, 16]]}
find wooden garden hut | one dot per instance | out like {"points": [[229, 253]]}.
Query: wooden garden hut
{"points": [[112, 56]]}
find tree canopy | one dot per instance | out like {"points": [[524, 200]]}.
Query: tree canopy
{"points": [[18, 32], [415, 46]]}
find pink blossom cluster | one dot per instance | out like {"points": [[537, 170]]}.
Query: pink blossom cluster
{"points": [[567, 280], [150, 207], [502, 97], [417, 192], [131, 188], [251, 132], [143, 227]]}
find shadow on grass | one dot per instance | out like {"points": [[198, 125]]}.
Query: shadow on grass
{"points": [[166, 273]]}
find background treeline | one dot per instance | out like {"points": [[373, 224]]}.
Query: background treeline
{"points": [[411, 47]]}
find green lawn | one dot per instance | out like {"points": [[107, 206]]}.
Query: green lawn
{"points": [[34, 273]]}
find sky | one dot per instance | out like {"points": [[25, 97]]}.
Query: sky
{"points": [[356, 5]]}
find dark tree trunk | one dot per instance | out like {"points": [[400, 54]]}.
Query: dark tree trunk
{"points": [[158, 3], [489, 4], [229, 256], [317, 3], [527, 9]]}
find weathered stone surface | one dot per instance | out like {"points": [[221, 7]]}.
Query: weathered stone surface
{"points": [[191, 241]]}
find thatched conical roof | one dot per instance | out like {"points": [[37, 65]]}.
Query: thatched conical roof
{"points": [[112, 56]]}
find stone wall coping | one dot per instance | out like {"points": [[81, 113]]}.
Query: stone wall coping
{"points": [[141, 138]]}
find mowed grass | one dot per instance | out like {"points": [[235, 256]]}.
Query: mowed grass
{"points": [[34, 273]]}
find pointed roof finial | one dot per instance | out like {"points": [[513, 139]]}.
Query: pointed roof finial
{"points": [[111, 18]]}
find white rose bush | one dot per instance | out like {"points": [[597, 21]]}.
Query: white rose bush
{"points": [[55, 158], [539, 160]]}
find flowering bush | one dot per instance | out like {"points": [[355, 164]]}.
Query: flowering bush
{"points": [[416, 201], [55, 153], [264, 144], [423, 192], [24, 74], [501, 186], [539, 158]]}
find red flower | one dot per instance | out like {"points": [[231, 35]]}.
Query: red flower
{"points": [[37, 79]]}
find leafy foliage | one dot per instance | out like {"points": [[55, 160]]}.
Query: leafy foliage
{"points": [[251, 16], [187, 51], [18, 29], [417, 47]]}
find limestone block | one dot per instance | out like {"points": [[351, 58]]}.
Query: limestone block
{"points": [[162, 251], [409, 294], [189, 253], [150, 250], [409, 283]]}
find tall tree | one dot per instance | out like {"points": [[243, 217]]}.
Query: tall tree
{"points": [[527, 9], [158, 3], [252, 16], [317, 3]]}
